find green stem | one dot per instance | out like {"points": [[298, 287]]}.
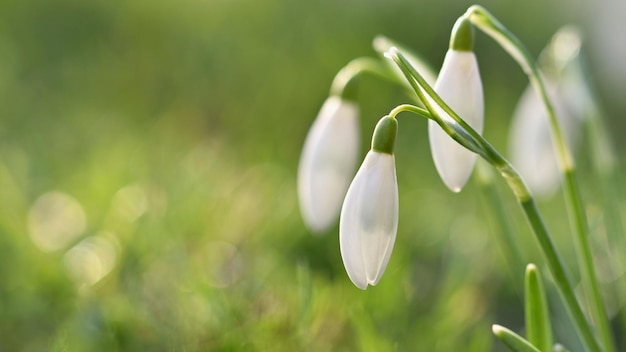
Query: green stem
{"points": [[410, 108], [344, 82], [585, 260], [504, 228], [472, 140], [486, 22], [578, 219]]}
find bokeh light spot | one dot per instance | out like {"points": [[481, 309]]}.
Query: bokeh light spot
{"points": [[55, 220], [91, 259], [130, 202]]}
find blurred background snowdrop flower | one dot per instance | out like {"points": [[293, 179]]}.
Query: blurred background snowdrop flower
{"points": [[460, 86], [605, 20], [327, 162], [531, 145], [562, 56], [383, 44], [369, 216]]}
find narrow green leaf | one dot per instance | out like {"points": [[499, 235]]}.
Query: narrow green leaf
{"points": [[515, 342], [537, 314]]}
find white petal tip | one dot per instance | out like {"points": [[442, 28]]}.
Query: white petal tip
{"points": [[361, 284], [315, 227], [317, 232], [364, 283], [454, 184], [455, 189]]}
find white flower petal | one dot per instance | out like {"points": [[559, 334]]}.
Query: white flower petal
{"points": [[369, 220], [459, 85], [327, 162]]}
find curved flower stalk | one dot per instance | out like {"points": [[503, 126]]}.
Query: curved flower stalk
{"points": [[369, 216], [327, 162], [460, 86]]}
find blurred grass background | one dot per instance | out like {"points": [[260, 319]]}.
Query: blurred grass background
{"points": [[148, 153]]}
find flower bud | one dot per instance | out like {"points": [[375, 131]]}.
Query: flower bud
{"points": [[327, 162], [369, 216], [460, 86]]}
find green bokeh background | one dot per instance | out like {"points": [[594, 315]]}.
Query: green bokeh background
{"points": [[177, 127]]}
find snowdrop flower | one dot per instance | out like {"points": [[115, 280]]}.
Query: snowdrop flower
{"points": [[605, 21], [459, 85], [531, 146], [327, 162], [369, 216], [562, 56]]}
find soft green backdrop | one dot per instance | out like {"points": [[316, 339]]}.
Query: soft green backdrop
{"points": [[159, 140]]}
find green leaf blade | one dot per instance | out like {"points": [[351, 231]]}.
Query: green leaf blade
{"points": [[515, 342], [537, 314]]}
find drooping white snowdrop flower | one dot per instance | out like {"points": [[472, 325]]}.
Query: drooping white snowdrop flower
{"points": [[579, 98], [531, 146], [460, 86], [369, 216], [606, 25], [562, 58], [327, 162]]}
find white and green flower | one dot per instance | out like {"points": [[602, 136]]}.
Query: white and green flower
{"points": [[327, 162], [460, 86], [369, 216]]}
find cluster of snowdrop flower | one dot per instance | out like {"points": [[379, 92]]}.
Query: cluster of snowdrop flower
{"points": [[369, 205], [545, 123]]}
